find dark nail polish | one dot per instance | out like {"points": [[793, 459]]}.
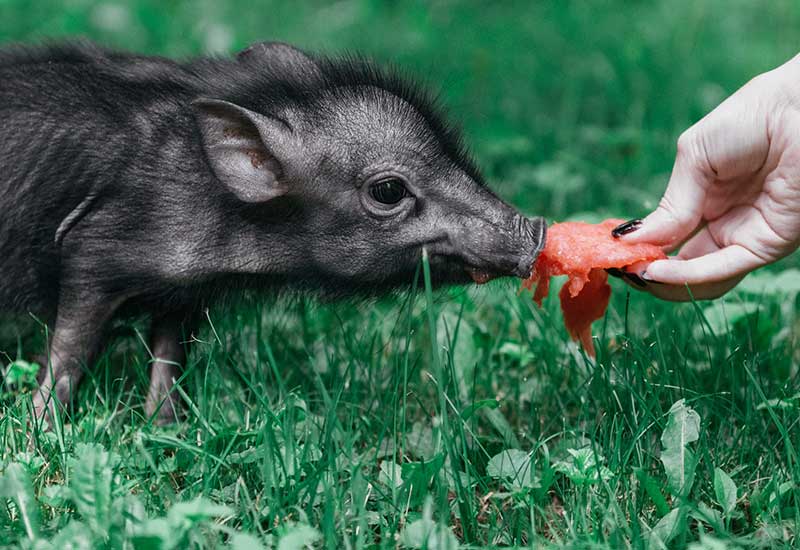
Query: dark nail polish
{"points": [[624, 228], [614, 272], [635, 279], [647, 280]]}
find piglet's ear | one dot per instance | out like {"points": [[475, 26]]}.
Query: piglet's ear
{"points": [[248, 152]]}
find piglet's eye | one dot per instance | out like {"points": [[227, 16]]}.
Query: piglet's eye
{"points": [[388, 191]]}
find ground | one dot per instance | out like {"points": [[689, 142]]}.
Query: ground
{"points": [[463, 417]]}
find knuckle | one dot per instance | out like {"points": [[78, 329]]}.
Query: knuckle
{"points": [[668, 205], [692, 149], [686, 141]]}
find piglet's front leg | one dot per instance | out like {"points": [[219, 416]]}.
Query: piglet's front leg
{"points": [[168, 341], [78, 333]]}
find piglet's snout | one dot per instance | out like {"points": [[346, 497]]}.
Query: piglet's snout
{"points": [[491, 250], [533, 232]]}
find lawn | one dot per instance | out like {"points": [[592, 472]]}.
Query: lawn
{"points": [[464, 417]]}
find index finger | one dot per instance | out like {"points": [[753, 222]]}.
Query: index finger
{"points": [[680, 210]]}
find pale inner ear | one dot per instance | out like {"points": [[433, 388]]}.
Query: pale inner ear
{"points": [[237, 153], [244, 140]]}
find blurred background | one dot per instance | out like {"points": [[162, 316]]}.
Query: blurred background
{"points": [[572, 108]]}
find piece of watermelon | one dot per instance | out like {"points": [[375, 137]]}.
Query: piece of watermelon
{"points": [[583, 252]]}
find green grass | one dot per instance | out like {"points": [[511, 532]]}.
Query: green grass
{"points": [[464, 415]]}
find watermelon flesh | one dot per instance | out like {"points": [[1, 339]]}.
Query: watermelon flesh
{"points": [[583, 252]]}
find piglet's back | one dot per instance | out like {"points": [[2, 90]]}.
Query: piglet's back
{"points": [[71, 119]]}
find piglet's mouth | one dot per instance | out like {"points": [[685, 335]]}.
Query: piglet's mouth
{"points": [[481, 276]]}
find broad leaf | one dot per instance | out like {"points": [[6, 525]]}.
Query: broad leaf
{"points": [[666, 529], [91, 485], [421, 441], [680, 465], [74, 536], [683, 428], [55, 495], [503, 427], [707, 542], [584, 467], [425, 534], [514, 467], [170, 532], [195, 511], [725, 491], [32, 462], [298, 537], [15, 484], [127, 513], [155, 534], [242, 541], [516, 352], [722, 316], [708, 515], [391, 474], [417, 477], [21, 372], [786, 282]]}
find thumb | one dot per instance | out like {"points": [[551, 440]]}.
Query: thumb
{"points": [[681, 208]]}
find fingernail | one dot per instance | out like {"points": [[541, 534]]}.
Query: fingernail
{"points": [[624, 228], [635, 279], [648, 280], [614, 272]]}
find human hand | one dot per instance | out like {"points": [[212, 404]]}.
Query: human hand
{"points": [[733, 200]]}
